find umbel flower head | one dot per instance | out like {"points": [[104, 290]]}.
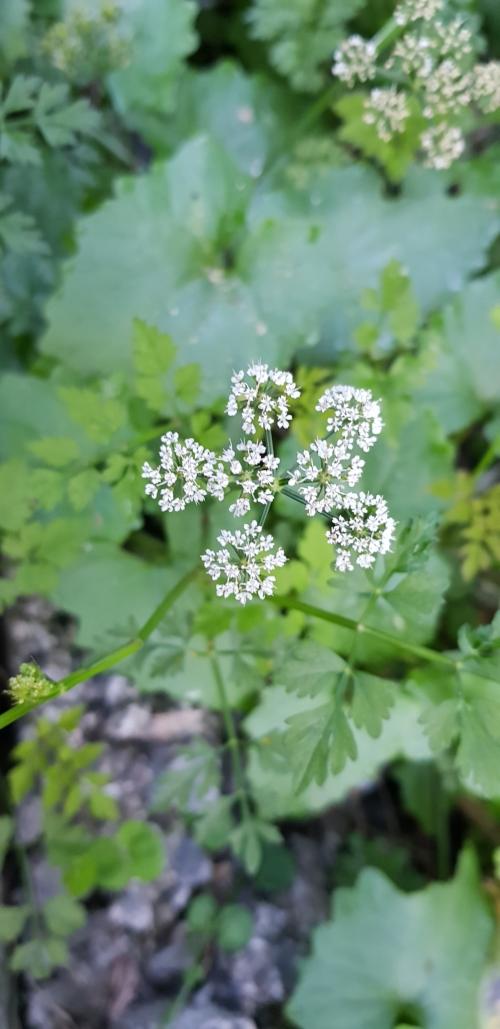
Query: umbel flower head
{"points": [[433, 59], [323, 480]]}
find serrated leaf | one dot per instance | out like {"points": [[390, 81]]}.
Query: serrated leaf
{"points": [[372, 701], [309, 669], [100, 416], [271, 774], [371, 963]]}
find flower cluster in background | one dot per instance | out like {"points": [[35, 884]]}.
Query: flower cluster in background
{"points": [[430, 71], [323, 479]]}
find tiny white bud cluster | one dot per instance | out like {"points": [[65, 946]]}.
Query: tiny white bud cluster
{"points": [[409, 11], [263, 395], [387, 109], [355, 60], [438, 79], [242, 567], [325, 475]]}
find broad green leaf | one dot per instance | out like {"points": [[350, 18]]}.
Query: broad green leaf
{"points": [[82, 488], [159, 35], [226, 279], [272, 778], [464, 378], [387, 955], [14, 23], [106, 588], [100, 416]]}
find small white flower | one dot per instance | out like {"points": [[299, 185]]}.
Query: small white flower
{"points": [[447, 90], [413, 54], [361, 530], [242, 566], [187, 473], [387, 110], [442, 145], [486, 86], [354, 60], [356, 415], [409, 11], [262, 395], [321, 473]]}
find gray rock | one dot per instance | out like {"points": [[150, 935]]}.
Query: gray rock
{"points": [[208, 1016], [133, 910], [165, 968], [250, 979], [131, 723], [117, 690], [190, 865], [28, 821]]}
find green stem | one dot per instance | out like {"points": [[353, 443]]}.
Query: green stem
{"points": [[232, 739], [109, 660], [487, 459], [415, 649], [190, 978]]}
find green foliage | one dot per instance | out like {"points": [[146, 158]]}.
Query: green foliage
{"points": [[361, 975], [32, 110], [396, 155], [302, 36], [477, 518]]}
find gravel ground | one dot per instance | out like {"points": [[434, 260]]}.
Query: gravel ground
{"points": [[127, 963]]}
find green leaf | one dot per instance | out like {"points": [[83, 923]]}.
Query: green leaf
{"points": [[270, 771], [201, 914], [12, 921], [14, 24], [145, 848], [63, 915], [55, 451], [160, 34], [373, 699], [154, 353], [213, 828], [370, 965], [82, 488], [195, 773], [100, 416], [19, 232], [302, 36], [234, 927], [39, 957], [309, 669], [278, 271]]}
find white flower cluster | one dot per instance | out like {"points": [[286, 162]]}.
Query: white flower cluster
{"points": [[187, 473], [409, 11], [242, 567], [355, 60], [323, 479], [387, 109], [436, 54], [263, 395], [327, 471], [361, 530]]}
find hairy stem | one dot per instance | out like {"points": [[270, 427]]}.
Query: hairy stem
{"points": [[109, 660]]}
